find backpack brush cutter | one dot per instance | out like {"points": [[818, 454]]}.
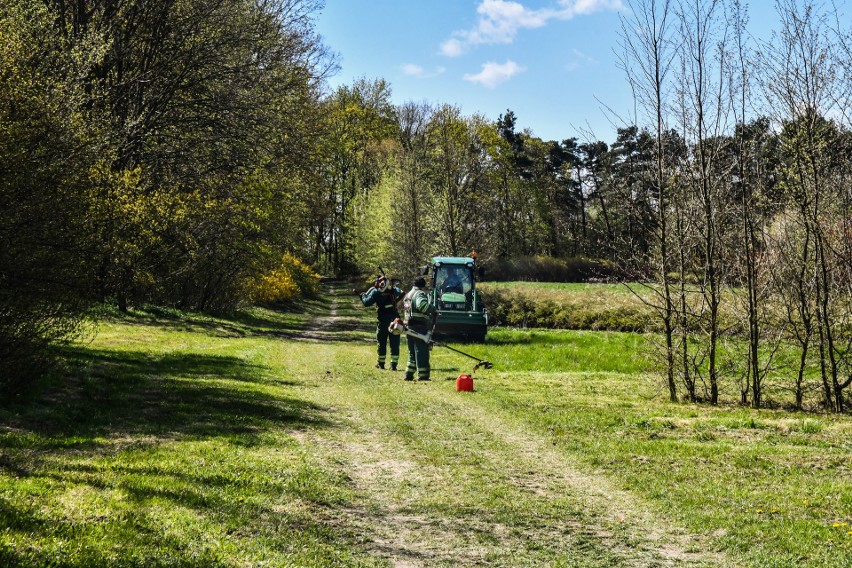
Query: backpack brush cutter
{"points": [[398, 328]]}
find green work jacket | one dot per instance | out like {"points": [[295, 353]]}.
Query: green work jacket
{"points": [[416, 308], [385, 302]]}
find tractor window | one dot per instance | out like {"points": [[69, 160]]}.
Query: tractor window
{"points": [[456, 279]]}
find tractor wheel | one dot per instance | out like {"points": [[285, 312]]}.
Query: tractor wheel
{"points": [[477, 337]]}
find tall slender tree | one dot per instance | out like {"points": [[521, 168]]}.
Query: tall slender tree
{"points": [[648, 55], [801, 82]]}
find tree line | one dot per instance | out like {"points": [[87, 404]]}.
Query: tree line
{"points": [[173, 152], [752, 194], [150, 152], [726, 192]]}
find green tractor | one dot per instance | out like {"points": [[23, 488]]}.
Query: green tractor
{"points": [[453, 292]]}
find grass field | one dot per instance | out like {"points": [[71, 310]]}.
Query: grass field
{"points": [[597, 307], [268, 439]]}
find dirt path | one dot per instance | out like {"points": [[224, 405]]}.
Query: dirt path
{"points": [[497, 494], [324, 328], [321, 327]]}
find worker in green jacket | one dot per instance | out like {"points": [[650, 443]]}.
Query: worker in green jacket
{"points": [[417, 313], [384, 296]]}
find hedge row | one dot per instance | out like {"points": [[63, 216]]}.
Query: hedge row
{"points": [[549, 269]]}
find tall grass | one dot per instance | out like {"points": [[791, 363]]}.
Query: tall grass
{"points": [[611, 307]]}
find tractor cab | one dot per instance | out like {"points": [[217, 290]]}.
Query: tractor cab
{"points": [[453, 292], [454, 283]]}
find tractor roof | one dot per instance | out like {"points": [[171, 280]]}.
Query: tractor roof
{"points": [[464, 260]]}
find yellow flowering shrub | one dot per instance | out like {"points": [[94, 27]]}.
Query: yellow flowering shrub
{"points": [[289, 280]]}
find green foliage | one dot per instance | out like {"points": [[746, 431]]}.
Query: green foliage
{"points": [[360, 129], [456, 173], [541, 268], [377, 232], [149, 152], [45, 248]]}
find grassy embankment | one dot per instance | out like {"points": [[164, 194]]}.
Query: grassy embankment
{"points": [[269, 439], [610, 307]]}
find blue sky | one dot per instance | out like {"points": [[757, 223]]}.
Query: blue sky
{"points": [[552, 62]]}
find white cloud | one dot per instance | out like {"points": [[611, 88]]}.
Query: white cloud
{"points": [[493, 74], [583, 7], [580, 59], [418, 71], [500, 20], [452, 48]]}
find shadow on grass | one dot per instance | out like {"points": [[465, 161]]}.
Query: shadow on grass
{"points": [[308, 320], [132, 393], [140, 536], [102, 431], [235, 324], [100, 426]]}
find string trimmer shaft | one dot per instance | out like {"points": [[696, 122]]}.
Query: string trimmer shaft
{"points": [[398, 328]]}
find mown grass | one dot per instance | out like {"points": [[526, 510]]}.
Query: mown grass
{"points": [[165, 443], [190, 440], [774, 488]]}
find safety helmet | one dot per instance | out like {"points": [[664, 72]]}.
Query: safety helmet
{"points": [[381, 283]]}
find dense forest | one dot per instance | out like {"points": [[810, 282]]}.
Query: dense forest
{"points": [[188, 153]]}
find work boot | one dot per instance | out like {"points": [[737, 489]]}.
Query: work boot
{"points": [[393, 366], [409, 377], [380, 365], [426, 378]]}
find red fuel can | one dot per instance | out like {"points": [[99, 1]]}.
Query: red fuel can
{"points": [[464, 383]]}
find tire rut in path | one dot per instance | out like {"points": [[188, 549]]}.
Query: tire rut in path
{"points": [[382, 471], [322, 328], [656, 542], [387, 521]]}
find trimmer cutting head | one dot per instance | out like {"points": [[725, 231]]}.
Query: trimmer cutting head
{"points": [[484, 365]]}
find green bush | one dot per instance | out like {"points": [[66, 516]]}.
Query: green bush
{"points": [[45, 246]]}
